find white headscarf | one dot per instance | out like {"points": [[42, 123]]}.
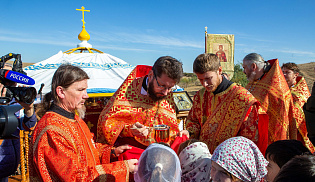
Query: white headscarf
{"points": [[158, 156], [242, 158], [195, 162]]}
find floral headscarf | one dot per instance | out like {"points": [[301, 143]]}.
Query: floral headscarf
{"points": [[242, 158], [195, 162]]}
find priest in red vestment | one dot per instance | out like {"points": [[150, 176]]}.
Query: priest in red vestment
{"points": [[268, 85], [300, 94], [143, 100], [223, 109], [62, 147]]}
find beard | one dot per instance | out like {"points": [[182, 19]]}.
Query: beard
{"points": [[152, 93], [81, 112], [213, 87]]}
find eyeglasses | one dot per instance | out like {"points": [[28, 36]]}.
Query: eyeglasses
{"points": [[160, 86]]}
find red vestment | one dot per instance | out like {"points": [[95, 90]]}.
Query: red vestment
{"points": [[62, 149], [128, 106], [233, 112], [273, 93], [300, 94]]}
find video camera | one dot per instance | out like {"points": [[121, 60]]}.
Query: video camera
{"points": [[9, 78]]}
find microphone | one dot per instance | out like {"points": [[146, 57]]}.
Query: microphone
{"points": [[16, 77]]}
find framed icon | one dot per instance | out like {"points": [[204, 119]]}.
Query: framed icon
{"points": [[223, 46], [182, 101]]}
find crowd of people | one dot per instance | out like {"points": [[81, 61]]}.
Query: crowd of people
{"points": [[263, 132]]}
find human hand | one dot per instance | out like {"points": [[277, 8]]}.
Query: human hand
{"points": [[132, 165], [121, 149], [183, 132], [3, 90], [139, 130]]}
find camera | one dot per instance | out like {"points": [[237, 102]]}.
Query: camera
{"points": [[8, 121], [9, 78]]}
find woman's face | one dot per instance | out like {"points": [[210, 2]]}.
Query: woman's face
{"points": [[219, 174], [273, 170]]}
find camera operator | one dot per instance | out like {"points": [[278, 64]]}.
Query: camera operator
{"points": [[10, 148]]}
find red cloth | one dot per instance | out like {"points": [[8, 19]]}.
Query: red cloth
{"points": [[133, 153], [262, 143], [136, 152], [142, 70], [178, 140]]}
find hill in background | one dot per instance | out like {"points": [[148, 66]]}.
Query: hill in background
{"points": [[307, 69]]}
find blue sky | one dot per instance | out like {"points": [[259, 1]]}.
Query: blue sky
{"points": [[141, 31]]}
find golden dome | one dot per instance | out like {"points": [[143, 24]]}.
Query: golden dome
{"points": [[84, 35]]}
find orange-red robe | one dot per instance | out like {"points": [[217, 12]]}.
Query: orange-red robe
{"points": [[300, 94], [233, 112], [128, 106], [273, 93], [62, 149]]}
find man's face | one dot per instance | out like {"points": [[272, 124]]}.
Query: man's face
{"points": [[159, 87], [210, 80], [273, 169], [219, 174], [289, 76], [249, 72], [75, 96]]}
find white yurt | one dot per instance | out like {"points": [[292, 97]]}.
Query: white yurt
{"points": [[106, 72]]}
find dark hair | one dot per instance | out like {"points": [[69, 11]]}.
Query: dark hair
{"points": [[282, 151], [300, 168], [169, 66], [291, 66], [64, 76], [185, 144], [165, 144], [206, 62]]}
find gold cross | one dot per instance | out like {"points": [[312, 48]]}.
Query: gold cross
{"points": [[90, 125], [83, 9]]}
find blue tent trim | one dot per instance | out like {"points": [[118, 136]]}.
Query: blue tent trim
{"points": [[100, 90], [106, 66]]}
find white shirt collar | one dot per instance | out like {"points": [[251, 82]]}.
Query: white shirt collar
{"points": [[143, 91]]}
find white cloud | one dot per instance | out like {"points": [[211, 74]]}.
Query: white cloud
{"points": [[152, 39], [121, 48], [118, 41], [251, 37], [312, 54], [35, 41]]}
